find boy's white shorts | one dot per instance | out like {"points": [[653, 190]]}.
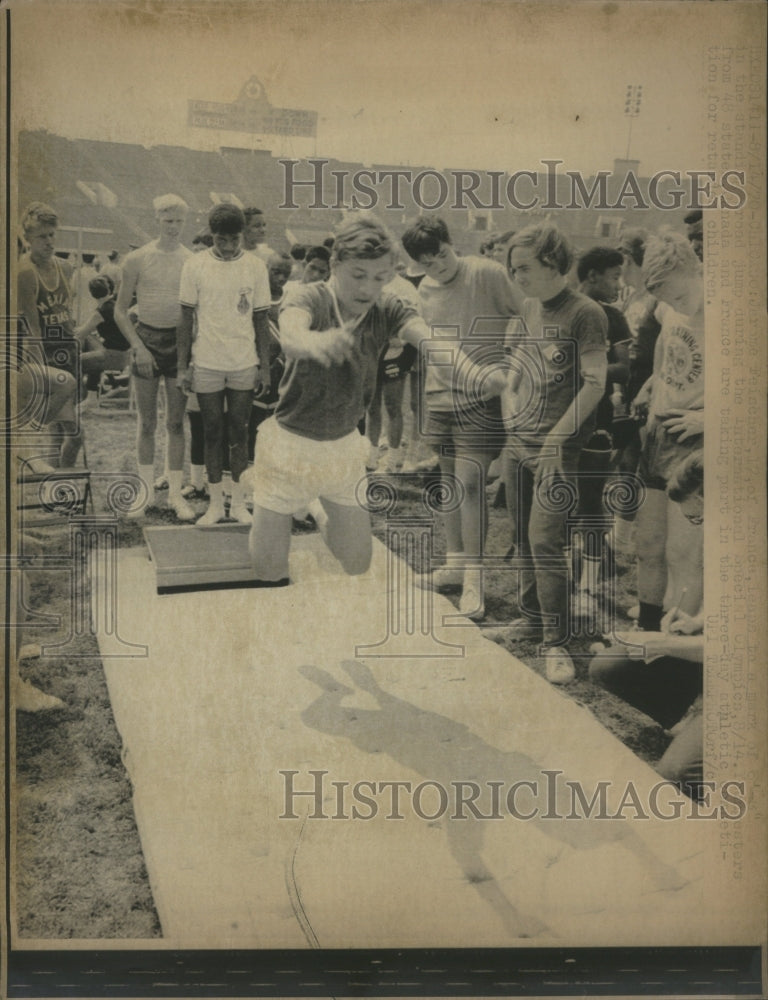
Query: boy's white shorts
{"points": [[290, 471]]}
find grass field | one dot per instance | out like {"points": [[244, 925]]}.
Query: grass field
{"points": [[79, 867]]}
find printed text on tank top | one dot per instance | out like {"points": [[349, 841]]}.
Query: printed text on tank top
{"points": [[57, 297]]}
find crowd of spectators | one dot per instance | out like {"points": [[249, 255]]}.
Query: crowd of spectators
{"points": [[564, 372]]}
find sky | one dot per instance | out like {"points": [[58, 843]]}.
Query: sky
{"points": [[446, 83]]}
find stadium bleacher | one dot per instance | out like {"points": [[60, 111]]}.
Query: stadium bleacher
{"points": [[110, 186]]}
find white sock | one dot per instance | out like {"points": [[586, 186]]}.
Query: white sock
{"points": [[590, 574], [215, 511], [238, 511], [197, 476], [174, 484], [238, 493], [217, 498], [147, 476]]}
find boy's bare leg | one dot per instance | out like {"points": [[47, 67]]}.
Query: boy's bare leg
{"points": [[685, 562], [453, 519], [146, 402], [471, 471], [175, 406], [71, 444], [651, 547], [269, 543], [347, 533], [58, 390]]}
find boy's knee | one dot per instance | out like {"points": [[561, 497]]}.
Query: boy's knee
{"points": [[357, 564], [61, 382], [71, 430], [148, 422], [604, 670]]}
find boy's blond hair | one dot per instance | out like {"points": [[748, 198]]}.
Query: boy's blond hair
{"points": [[665, 254], [168, 202], [38, 214]]}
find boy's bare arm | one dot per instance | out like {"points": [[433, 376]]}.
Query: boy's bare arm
{"points": [[263, 337], [27, 288], [594, 365], [327, 347], [27, 291], [184, 339], [417, 333], [144, 362]]}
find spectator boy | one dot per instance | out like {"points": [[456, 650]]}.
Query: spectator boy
{"points": [[226, 291], [551, 409], [151, 274], [473, 297]]}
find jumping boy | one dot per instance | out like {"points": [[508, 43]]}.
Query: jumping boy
{"points": [[333, 335]]}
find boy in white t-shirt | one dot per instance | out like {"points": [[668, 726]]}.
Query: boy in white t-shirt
{"points": [[669, 549], [227, 291]]}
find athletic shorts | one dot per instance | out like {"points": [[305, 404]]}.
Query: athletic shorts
{"points": [[661, 453], [161, 344], [116, 361], [478, 428], [290, 471], [210, 380]]}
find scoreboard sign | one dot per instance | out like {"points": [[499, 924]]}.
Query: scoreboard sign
{"points": [[252, 112]]}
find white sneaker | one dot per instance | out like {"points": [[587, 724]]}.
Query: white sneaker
{"points": [[393, 460], [585, 606], [558, 665], [32, 699], [410, 459], [161, 483], [472, 603], [36, 465], [29, 651], [181, 508], [239, 512], [212, 516], [443, 576], [192, 492]]}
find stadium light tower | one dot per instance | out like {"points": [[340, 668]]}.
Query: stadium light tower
{"points": [[632, 101]]}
